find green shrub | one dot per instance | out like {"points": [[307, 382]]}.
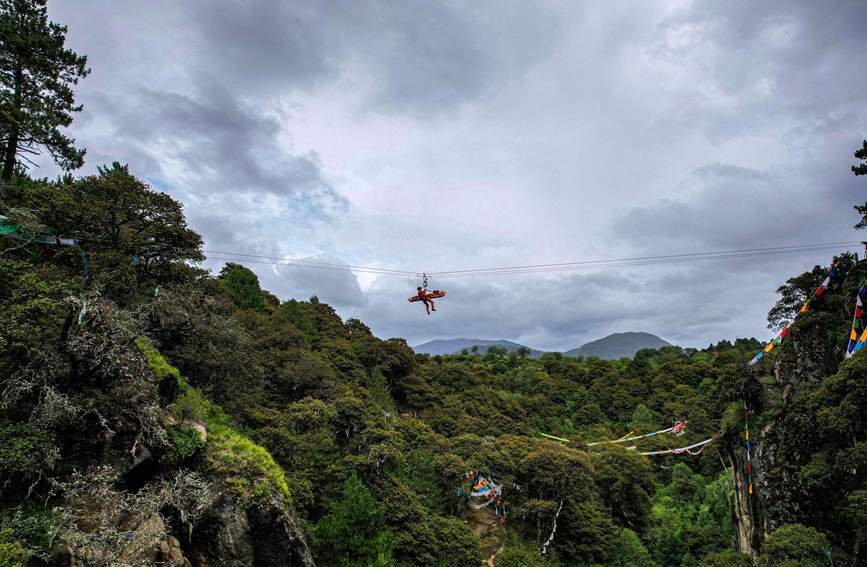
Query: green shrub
{"points": [[12, 553], [794, 545], [26, 452]]}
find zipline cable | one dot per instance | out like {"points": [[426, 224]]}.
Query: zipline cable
{"points": [[624, 264], [793, 248], [336, 268], [537, 268]]}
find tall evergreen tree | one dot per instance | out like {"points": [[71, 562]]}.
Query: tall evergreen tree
{"points": [[36, 78]]}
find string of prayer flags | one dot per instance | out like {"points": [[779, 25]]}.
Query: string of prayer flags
{"points": [[680, 450], [832, 273], [749, 459], [858, 334]]}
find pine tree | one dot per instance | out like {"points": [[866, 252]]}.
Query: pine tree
{"points": [[353, 533], [36, 78]]}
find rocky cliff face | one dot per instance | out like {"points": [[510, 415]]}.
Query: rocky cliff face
{"points": [[154, 475], [785, 426]]}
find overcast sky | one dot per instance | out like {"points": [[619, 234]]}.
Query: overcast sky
{"points": [[433, 136]]}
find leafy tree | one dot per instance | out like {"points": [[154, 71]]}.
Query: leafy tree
{"points": [[630, 552], [793, 295], [520, 556], [242, 286], [861, 154], [728, 558], [37, 74], [794, 545], [353, 532]]}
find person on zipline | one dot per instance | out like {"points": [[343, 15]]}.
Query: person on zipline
{"points": [[426, 299]]}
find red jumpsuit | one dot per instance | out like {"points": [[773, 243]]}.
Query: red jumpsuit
{"points": [[427, 300]]}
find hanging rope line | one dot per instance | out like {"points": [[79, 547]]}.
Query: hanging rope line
{"points": [[679, 428], [553, 529], [749, 456], [782, 335], [858, 335], [679, 451]]}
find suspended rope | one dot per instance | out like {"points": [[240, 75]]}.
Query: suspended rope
{"points": [[680, 450], [858, 335], [782, 335]]}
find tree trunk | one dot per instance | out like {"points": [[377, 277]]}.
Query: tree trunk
{"points": [[11, 152], [14, 129]]}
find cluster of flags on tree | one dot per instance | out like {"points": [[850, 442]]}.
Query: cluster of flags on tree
{"points": [[749, 453], [779, 338], [858, 335], [489, 490]]}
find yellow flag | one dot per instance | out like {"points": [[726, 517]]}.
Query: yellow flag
{"points": [[804, 308], [769, 347], [854, 335]]}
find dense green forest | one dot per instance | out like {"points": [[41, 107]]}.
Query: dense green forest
{"points": [[154, 413]]}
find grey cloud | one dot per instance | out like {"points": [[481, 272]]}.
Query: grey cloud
{"points": [[420, 57], [691, 306], [218, 145], [731, 207], [260, 44], [752, 65], [335, 287]]}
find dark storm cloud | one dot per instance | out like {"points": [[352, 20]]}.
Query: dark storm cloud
{"points": [[261, 44], [419, 57]]}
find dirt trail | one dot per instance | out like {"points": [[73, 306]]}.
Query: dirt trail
{"points": [[484, 524]]}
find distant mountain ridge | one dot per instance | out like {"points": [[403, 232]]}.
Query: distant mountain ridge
{"points": [[617, 345], [455, 346]]}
